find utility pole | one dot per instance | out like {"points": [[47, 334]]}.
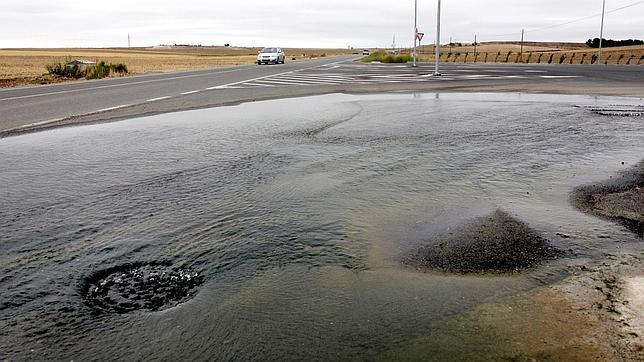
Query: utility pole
{"points": [[475, 46], [601, 33], [128, 40], [415, 29], [393, 44], [521, 53], [438, 40]]}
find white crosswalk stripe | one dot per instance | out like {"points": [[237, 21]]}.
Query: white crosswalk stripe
{"points": [[340, 74]]}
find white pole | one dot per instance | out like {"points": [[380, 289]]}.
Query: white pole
{"points": [[438, 40], [522, 36], [601, 34], [415, 28]]}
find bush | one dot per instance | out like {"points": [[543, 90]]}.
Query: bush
{"points": [[609, 43], [61, 69], [103, 70], [385, 57], [98, 71], [119, 68]]}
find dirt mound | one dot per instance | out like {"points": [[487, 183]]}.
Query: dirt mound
{"points": [[497, 244], [620, 199]]}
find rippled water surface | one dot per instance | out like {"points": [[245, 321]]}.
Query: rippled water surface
{"points": [[278, 227]]}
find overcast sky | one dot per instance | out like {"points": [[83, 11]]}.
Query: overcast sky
{"points": [[303, 23]]}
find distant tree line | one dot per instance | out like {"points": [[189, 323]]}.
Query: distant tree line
{"points": [[608, 43]]}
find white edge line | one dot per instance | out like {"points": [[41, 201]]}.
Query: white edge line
{"points": [[110, 108], [559, 76], [158, 99], [36, 124], [191, 92], [119, 85], [42, 123]]}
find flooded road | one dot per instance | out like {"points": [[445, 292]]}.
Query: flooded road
{"points": [[276, 229]]}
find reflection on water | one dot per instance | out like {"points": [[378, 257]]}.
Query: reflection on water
{"points": [[295, 213]]}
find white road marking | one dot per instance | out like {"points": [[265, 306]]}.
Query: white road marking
{"points": [[191, 92], [158, 99], [250, 84], [36, 124], [325, 78], [49, 121], [118, 85], [560, 76], [223, 86], [288, 82], [111, 108], [310, 80]]}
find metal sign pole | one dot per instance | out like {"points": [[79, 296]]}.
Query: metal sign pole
{"points": [[415, 29], [438, 40], [601, 34]]}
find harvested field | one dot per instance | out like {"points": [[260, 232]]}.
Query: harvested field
{"points": [[27, 66], [535, 53]]}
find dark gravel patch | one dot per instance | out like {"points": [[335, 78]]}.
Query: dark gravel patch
{"points": [[620, 199], [497, 243]]}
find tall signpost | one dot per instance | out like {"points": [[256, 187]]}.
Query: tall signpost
{"points": [[415, 29], [521, 51], [601, 34], [438, 41]]}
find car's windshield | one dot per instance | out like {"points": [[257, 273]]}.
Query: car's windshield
{"points": [[269, 50]]}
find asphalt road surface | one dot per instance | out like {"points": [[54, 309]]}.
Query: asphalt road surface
{"points": [[32, 108]]}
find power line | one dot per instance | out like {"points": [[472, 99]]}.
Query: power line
{"points": [[584, 18], [568, 22]]}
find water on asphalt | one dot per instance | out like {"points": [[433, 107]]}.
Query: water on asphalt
{"points": [[276, 229]]}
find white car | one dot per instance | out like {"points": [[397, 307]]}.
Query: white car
{"points": [[271, 55]]}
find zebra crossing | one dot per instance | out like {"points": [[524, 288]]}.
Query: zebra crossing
{"points": [[342, 74]]}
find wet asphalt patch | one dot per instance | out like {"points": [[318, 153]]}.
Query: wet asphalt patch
{"points": [[497, 243], [139, 287]]}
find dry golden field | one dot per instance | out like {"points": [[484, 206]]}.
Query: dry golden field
{"points": [[27, 66]]}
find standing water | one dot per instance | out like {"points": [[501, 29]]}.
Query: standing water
{"points": [[281, 229]]}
